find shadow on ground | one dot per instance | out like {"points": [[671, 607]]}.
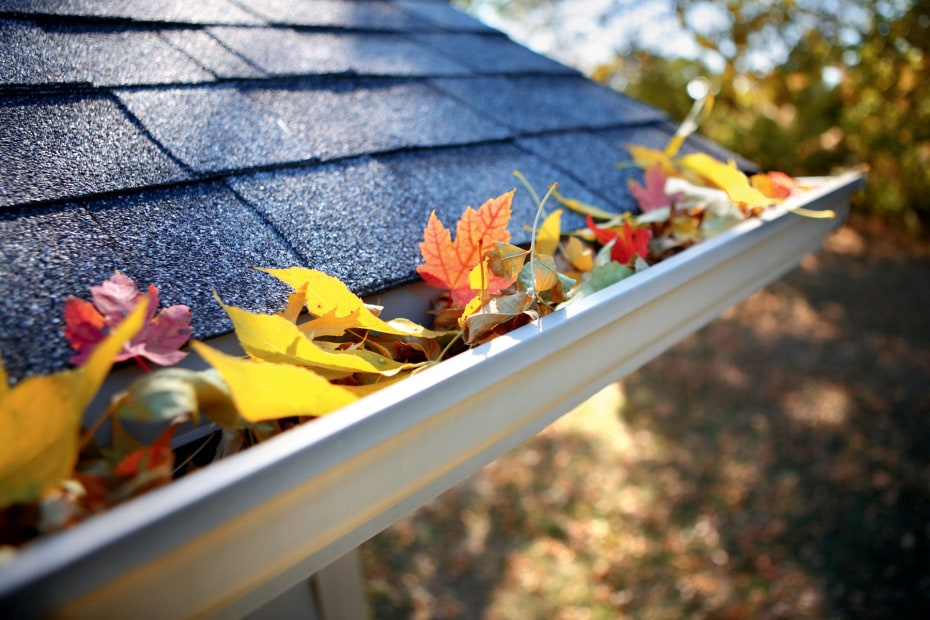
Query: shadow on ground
{"points": [[773, 465]]}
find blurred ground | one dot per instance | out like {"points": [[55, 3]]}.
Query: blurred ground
{"points": [[774, 465]]}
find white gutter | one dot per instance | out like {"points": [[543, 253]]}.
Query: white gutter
{"points": [[226, 539]]}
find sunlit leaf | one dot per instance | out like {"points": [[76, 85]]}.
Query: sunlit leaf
{"points": [[275, 339], [267, 391], [447, 263], [547, 237], [40, 418], [578, 254], [582, 207], [325, 295], [727, 178], [647, 158]]}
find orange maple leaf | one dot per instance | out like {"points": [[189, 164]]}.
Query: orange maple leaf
{"points": [[449, 262]]}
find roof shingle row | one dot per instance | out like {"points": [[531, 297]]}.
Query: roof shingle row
{"points": [[183, 143]]}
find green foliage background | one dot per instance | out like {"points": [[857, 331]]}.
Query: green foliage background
{"points": [[853, 91]]}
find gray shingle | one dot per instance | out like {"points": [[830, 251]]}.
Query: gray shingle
{"points": [[362, 220], [63, 147], [492, 53], [189, 241], [443, 15], [213, 129], [109, 56], [373, 117], [543, 103], [359, 14], [46, 254], [30, 58], [218, 129], [200, 12], [289, 52], [210, 53]]}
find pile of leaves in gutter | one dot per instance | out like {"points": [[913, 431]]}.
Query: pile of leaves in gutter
{"points": [[302, 365]]}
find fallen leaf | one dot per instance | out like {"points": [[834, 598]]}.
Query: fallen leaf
{"points": [[652, 196], [44, 415], [448, 263], [170, 393], [647, 158], [267, 391], [547, 237], [87, 324], [727, 178], [156, 455], [275, 339], [499, 316], [600, 278], [325, 295], [777, 185], [578, 254], [627, 243]]}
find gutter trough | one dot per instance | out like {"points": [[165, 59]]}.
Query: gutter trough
{"points": [[223, 541]]}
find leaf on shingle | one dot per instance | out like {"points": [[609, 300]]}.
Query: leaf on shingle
{"points": [[87, 324], [727, 178]]}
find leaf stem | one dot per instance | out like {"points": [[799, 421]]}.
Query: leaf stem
{"points": [[540, 205], [93, 428]]}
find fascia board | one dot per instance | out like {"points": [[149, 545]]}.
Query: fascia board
{"points": [[226, 539]]}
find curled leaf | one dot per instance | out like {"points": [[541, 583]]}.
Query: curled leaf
{"points": [[499, 316], [173, 393]]}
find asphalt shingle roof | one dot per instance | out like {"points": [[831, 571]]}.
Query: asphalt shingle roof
{"points": [[183, 143]]}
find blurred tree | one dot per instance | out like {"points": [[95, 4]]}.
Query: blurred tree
{"points": [[805, 86], [852, 90]]}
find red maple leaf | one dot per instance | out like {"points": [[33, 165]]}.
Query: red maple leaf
{"points": [[449, 262], [652, 196], [628, 242], [154, 456], [86, 323]]}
